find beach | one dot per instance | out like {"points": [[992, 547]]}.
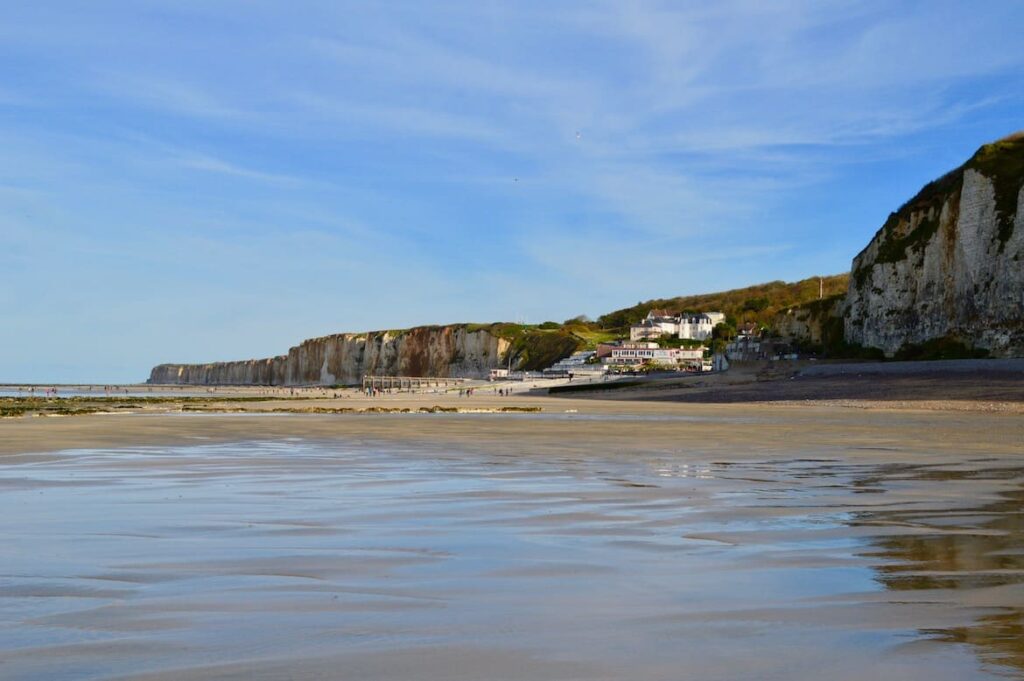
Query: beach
{"points": [[532, 341], [593, 539]]}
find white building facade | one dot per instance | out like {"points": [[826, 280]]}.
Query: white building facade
{"points": [[636, 354], [658, 323], [699, 326]]}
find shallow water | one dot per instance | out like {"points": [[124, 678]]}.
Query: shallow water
{"points": [[307, 559], [99, 392]]}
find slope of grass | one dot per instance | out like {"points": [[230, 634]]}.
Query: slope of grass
{"points": [[592, 337], [536, 349], [754, 303]]}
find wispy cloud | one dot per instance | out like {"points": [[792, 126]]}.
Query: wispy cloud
{"points": [[170, 95], [212, 164], [350, 118]]}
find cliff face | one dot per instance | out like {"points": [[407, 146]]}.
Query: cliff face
{"points": [[817, 323], [442, 351], [949, 263]]}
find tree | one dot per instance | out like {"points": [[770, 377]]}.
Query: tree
{"points": [[756, 304], [723, 331]]}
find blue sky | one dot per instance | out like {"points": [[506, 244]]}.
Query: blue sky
{"points": [[208, 180]]}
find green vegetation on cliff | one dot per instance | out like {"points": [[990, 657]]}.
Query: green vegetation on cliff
{"points": [[538, 346], [534, 347], [946, 347], [535, 350], [825, 316], [757, 304], [1003, 162], [911, 227]]}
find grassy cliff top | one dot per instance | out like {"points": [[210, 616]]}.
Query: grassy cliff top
{"points": [[1001, 161]]}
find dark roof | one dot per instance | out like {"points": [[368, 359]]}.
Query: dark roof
{"points": [[661, 313]]}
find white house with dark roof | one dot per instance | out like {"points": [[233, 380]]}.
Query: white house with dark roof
{"points": [[699, 326], [660, 323], [656, 324]]}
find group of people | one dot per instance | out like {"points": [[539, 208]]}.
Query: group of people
{"points": [[469, 392], [370, 391], [50, 392]]}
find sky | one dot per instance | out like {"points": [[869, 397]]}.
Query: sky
{"points": [[208, 180]]}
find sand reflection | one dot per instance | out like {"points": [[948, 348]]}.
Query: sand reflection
{"points": [[970, 555]]}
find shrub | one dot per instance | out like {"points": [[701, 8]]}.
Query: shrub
{"points": [[946, 347]]}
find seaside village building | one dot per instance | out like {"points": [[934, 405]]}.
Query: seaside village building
{"points": [[748, 344], [645, 353], [581, 363], [699, 326], [660, 323]]}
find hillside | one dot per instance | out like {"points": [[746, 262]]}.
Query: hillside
{"points": [[760, 303], [472, 350]]}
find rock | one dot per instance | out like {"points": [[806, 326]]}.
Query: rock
{"points": [[437, 351], [817, 323], [949, 263]]}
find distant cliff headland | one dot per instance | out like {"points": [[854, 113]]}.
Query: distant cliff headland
{"points": [[458, 350], [944, 274]]}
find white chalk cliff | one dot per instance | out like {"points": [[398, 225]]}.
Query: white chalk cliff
{"points": [[949, 263]]}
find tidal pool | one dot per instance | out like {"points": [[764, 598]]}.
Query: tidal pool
{"points": [[314, 558]]}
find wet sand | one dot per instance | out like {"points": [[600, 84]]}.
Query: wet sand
{"points": [[619, 540]]}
